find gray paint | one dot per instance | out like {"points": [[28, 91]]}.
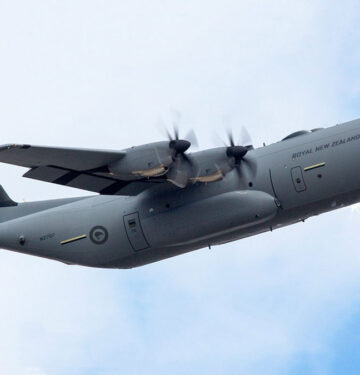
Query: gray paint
{"points": [[166, 221]]}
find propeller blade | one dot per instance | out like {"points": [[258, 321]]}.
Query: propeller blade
{"points": [[174, 134], [192, 138], [163, 126], [176, 115], [245, 138], [217, 139], [176, 131], [238, 171], [251, 164], [170, 137], [230, 138], [179, 173]]}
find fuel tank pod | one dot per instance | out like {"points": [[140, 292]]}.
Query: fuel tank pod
{"points": [[209, 218]]}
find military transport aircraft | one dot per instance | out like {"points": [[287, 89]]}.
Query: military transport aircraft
{"points": [[156, 200]]}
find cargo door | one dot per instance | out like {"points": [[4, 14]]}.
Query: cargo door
{"points": [[134, 232]]}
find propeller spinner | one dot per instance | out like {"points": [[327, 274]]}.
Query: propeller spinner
{"points": [[239, 152], [180, 171]]}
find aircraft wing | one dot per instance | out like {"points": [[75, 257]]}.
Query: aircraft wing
{"points": [[62, 157], [79, 168]]}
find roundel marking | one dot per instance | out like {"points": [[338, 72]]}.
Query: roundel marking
{"points": [[99, 235]]}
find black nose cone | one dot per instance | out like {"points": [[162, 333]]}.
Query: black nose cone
{"points": [[180, 145], [238, 152]]}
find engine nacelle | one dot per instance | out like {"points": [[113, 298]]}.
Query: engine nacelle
{"points": [[212, 165], [151, 160]]}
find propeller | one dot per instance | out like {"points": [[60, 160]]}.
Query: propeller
{"points": [[239, 152], [183, 165], [245, 137], [178, 145]]}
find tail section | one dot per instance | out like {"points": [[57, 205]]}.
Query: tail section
{"points": [[5, 200], [10, 210]]}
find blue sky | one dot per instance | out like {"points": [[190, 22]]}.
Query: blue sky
{"points": [[103, 75]]}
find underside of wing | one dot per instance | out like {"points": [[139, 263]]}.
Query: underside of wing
{"points": [[91, 181], [85, 169]]}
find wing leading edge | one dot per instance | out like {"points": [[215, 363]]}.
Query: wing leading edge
{"points": [[71, 158]]}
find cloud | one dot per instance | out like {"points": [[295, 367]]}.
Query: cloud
{"points": [[90, 74]]}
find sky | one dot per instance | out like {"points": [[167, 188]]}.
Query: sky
{"points": [[108, 74]]}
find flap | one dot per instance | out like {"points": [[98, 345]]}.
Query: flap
{"points": [[90, 181]]}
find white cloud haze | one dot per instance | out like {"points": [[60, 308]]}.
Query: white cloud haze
{"points": [[101, 74]]}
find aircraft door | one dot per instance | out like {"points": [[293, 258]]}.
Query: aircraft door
{"points": [[289, 186], [298, 179], [134, 232]]}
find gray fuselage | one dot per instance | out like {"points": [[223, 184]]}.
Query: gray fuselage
{"points": [[296, 178]]}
